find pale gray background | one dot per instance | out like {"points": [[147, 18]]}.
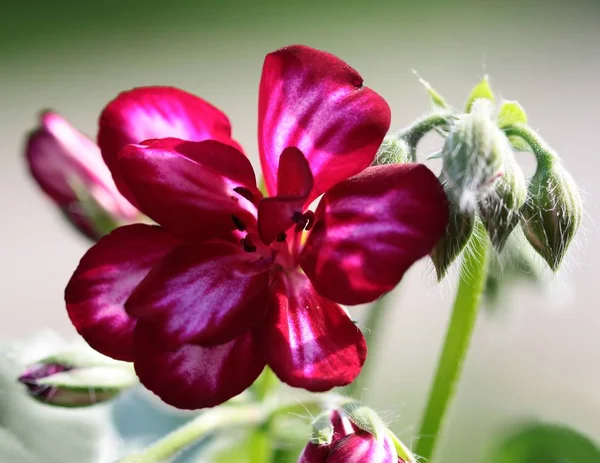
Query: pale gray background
{"points": [[538, 357]]}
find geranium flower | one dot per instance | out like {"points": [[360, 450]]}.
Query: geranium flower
{"points": [[69, 168], [230, 281]]}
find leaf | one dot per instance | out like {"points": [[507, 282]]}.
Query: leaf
{"points": [[510, 113], [436, 99], [547, 443], [481, 90], [519, 145]]}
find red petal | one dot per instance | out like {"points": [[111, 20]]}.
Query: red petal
{"points": [[194, 376], [314, 453], [314, 101], [59, 156], [362, 447], [294, 184], [371, 228], [104, 279], [205, 294], [157, 112], [309, 341], [188, 187]]}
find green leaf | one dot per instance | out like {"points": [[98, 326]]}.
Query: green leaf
{"points": [[481, 90], [510, 113], [436, 99], [546, 443]]}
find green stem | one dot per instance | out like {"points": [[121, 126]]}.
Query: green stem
{"points": [[372, 326], [223, 417], [417, 130], [543, 153], [462, 322]]}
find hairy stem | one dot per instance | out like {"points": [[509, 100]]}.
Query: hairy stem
{"points": [[456, 345], [542, 151], [417, 130], [223, 417]]}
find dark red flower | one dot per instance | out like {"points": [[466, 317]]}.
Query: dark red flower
{"points": [[230, 281], [66, 164]]}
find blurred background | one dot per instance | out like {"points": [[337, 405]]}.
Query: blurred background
{"points": [[536, 356]]}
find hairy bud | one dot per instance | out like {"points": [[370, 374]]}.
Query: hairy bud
{"points": [[458, 232], [500, 210], [474, 155], [553, 211], [77, 378]]}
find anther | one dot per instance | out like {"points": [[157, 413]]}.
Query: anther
{"points": [[281, 238], [247, 245], [238, 223], [244, 192], [309, 216]]}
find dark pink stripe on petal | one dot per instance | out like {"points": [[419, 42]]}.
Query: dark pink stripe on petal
{"points": [[208, 294], [191, 188], [157, 112], [194, 376], [309, 341], [371, 228], [314, 101], [104, 279]]}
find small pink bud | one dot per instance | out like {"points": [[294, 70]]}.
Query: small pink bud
{"points": [[69, 167]]}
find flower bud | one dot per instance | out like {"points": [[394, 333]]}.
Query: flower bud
{"points": [[473, 155], [553, 211], [500, 210], [69, 168], [77, 378], [354, 433], [458, 232], [393, 150]]}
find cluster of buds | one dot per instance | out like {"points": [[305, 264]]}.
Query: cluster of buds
{"points": [[69, 168], [353, 433], [484, 183]]}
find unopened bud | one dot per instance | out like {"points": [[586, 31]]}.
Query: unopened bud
{"points": [[393, 150], [474, 154], [553, 211], [353, 433], [458, 232], [68, 166], [77, 378], [500, 210]]}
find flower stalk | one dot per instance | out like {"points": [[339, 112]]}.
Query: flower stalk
{"points": [[456, 345], [216, 419]]}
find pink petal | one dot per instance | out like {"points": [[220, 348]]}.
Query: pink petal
{"points": [[205, 294], [362, 447], [157, 112], [314, 453], [191, 188], [314, 101], [194, 376], [104, 279], [294, 184], [371, 228], [309, 341], [61, 158]]}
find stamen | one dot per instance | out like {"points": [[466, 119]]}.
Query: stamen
{"points": [[247, 245], [309, 216], [244, 192], [303, 221], [281, 238], [238, 223]]}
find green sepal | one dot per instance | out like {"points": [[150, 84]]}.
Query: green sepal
{"points": [[481, 90], [510, 113]]}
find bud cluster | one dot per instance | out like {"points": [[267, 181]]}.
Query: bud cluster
{"points": [[484, 183]]}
